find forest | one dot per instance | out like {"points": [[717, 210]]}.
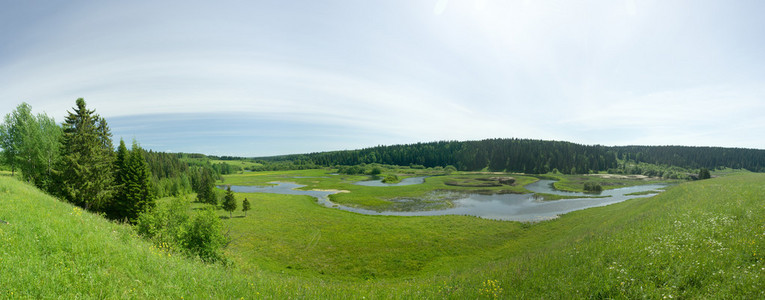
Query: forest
{"points": [[536, 156]]}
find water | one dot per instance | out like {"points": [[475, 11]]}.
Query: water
{"points": [[405, 181], [511, 207]]}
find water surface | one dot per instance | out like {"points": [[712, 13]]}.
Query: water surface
{"points": [[405, 181], [511, 207]]}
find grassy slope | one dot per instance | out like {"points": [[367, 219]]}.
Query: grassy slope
{"points": [[53, 249], [698, 239]]}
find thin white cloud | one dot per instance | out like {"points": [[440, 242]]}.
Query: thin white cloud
{"points": [[594, 72]]}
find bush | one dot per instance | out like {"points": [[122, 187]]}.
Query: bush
{"points": [[204, 237], [375, 171], [450, 169], [390, 178], [704, 174], [165, 224], [169, 227], [351, 170], [592, 187]]}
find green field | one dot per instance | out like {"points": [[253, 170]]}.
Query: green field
{"points": [[575, 183], [701, 239]]}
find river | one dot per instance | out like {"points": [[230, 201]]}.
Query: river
{"points": [[511, 207]]}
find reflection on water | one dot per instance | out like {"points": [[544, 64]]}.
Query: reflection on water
{"points": [[513, 207], [405, 181]]}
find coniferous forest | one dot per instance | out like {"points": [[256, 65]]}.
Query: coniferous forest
{"points": [[535, 156], [77, 162]]}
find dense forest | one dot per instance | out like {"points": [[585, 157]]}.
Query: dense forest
{"points": [[534, 156], [696, 157]]}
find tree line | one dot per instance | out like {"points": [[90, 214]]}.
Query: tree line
{"points": [[696, 157], [77, 161], [512, 155], [532, 156]]}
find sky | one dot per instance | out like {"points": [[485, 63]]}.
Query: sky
{"points": [[260, 78]]}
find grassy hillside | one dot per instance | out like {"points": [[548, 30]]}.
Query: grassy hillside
{"points": [[696, 240]]}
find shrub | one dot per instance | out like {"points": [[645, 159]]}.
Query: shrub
{"points": [[169, 226], [375, 171], [592, 187], [204, 237], [390, 178]]}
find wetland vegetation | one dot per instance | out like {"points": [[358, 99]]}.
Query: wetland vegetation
{"points": [[404, 230], [697, 239]]}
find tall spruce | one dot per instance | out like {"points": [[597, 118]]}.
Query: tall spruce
{"points": [[117, 207], [136, 188], [85, 177]]}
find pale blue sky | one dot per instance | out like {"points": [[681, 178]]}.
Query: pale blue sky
{"points": [[256, 78]]}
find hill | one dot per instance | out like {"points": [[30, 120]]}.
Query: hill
{"points": [[535, 156], [699, 239]]}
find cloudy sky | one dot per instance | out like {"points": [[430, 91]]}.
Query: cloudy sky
{"points": [[254, 78]]}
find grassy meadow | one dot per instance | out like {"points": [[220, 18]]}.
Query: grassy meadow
{"points": [[375, 198], [700, 239]]}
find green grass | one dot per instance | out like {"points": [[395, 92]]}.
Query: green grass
{"points": [[241, 163], [700, 239], [376, 198], [244, 164], [52, 249], [297, 236], [575, 183], [643, 193]]}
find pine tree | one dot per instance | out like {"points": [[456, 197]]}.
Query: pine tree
{"points": [[245, 206], [85, 176], [229, 202]]}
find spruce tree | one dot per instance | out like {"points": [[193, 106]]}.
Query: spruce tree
{"points": [[245, 206], [118, 206], [229, 202], [85, 176], [138, 196], [206, 188], [704, 173]]}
